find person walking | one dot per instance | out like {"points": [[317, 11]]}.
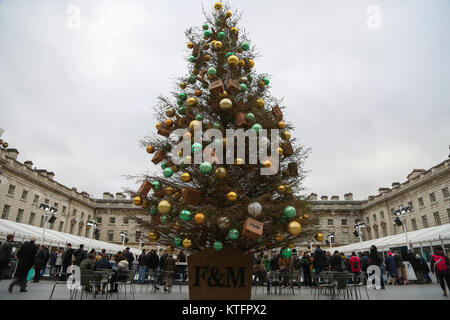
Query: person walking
{"points": [[425, 269], [40, 262], [401, 270], [169, 270], [376, 260], [66, 260], [80, 255], [26, 259], [391, 268], [5, 254], [416, 265], [440, 265], [143, 266]]}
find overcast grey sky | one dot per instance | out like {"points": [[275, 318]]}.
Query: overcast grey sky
{"points": [[371, 103]]}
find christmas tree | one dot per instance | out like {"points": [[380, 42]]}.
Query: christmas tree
{"points": [[197, 203]]}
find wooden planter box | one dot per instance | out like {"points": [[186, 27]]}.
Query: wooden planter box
{"points": [[220, 275]]}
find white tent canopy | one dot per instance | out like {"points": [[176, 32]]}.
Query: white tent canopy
{"points": [[426, 237], [55, 238]]}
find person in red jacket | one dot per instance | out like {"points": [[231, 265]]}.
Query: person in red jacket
{"points": [[354, 266], [440, 264]]}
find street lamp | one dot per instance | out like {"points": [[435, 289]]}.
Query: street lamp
{"points": [[358, 232], [124, 236], [94, 227], [47, 209], [330, 238], [140, 242], [401, 213]]}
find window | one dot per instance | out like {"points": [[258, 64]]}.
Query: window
{"points": [[86, 234], [5, 213], [61, 226], [89, 218], [125, 220], [138, 236], [74, 212], [19, 216], [384, 232], [410, 204], [374, 217], [41, 224], [24, 195], [97, 235], [32, 217], [330, 222], [112, 220], [82, 216], [414, 224], [80, 228], [421, 204], [367, 221], [56, 205], [437, 218], [344, 222], [36, 199], [448, 213], [432, 198], [11, 190], [64, 209], [52, 225], [369, 235], [425, 221], [71, 228], [47, 201], [382, 215], [99, 219], [377, 234], [445, 193], [110, 235]]}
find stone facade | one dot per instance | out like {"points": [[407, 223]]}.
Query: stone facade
{"points": [[23, 188]]}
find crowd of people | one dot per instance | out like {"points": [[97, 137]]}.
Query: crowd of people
{"points": [[310, 265]]}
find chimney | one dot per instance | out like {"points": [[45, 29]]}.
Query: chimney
{"points": [[395, 184], [324, 198], [28, 164], [415, 173], [106, 195], [383, 190], [50, 175], [12, 153], [120, 196], [74, 189], [85, 194], [348, 197], [334, 198]]}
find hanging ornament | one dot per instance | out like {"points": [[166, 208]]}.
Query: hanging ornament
{"points": [[195, 125], [266, 81], [183, 85], [192, 102], [243, 79], [137, 201], [186, 177], [228, 14], [168, 123], [153, 236], [241, 63], [192, 79], [218, 246], [221, 35], [206, 57], [281, 189], [223, 222], [250, 117], [205, 27], [212, 71], [197, 147], [243, 87], [233, 234], [158, 125], [282, 125], [234, 30], [170, 249], [182, 111], [280, 151], [286, 252], [294, 228], [250, 77], [226, 104], [169, 191], [228, 54], [232, 196], [220, 173], [233, 60], [257, 127], [279, 237], [164, 164], [191, 59], [185, 215], [251, 63], [164, 219], [239, 162], [164, 207], [170, 112], [261, 84], [168, 172], [260, 103], [176, 226], [217, 125], [290, 212], [187, 243], [218, 6], [207, 33], [286, 135], [190, 45], [218, 45], [177, 241], [150, 149], [153, 211], [199, 218], [206, 168], [267, 164], [254, 209], [245, 46], [156, 185]]}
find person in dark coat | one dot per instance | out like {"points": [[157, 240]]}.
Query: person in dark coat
{"points": [[336, 262], [169, 270], [376, 260], [129, 256], [41, 260], [319, 260], [26, 259], [440, 264], [66, 260], [391, 268], [416, 265], [103, 263], [80, 255], [153, 264], [143, 266], [306, 266], [425, 269], [5, 254]]}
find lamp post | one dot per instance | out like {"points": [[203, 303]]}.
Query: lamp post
{"points": [[401, 213], [358, 233], [330, 238], [140, 243], [94, 226], [47, 209], [124, 235]]}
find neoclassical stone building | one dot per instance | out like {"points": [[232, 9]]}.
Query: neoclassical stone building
{"points": [[23, 188]]}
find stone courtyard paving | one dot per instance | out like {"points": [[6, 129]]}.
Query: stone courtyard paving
{"points": [[41, 291]]}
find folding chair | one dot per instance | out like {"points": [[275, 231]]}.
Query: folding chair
{"points": [[128, 281]]}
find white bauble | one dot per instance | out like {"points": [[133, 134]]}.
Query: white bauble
{"points": [[254, 209]]}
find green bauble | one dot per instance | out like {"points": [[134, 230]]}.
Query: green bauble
{"points": [[286, 252], [192, 79], [156, 185], [207, 33], [177, 241], [199, 117], [250, 77], [197, 147], [218, 22], [266, 81], [250, 117], [205, 86], [283, 219], [182, 111], [206, 168], [164, 164], [221, 35], [153, 210], [180, 102], [205, 27], [185, 215], [245, 46], [164, 219], [218, 246], [168, 172], [228, 54], [290, 212], [167, 146], [191, 59], [257, 127], [243, 87], [212, 71], [217, 125], [233, 234], [182, 96]]}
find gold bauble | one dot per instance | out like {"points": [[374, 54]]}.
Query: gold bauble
{"points": [[192, 102], [170, 112], [241, 63], [318, 237], [164, 207], [183, 85], [186, 177], [251, 63], [176, 168], [206, 57], [286, 135], [150, 149], [218, 5], [190, 45], [261, 84], [260, 103], [195, 124], [234, 30], [220, 173], [223, 94], [196, 72], [267, 164], [279, 237], [153, 236], [187, 243], [306, 216], [198, 93], [282, 125], [294, 228], [158, 125], [218, 45], [177, 196], [226, 104], [205, 46], [170, 249], [289, 190], [199, 218], [223, 223], [137, 201], [280, 151], [176, 226], [228, 14], [168, 122], [291, 245], [180, 153], [145, 204], [233, 60], [211, 76], [232, 196], [238, 162], [281, 189], [169, 191]]}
